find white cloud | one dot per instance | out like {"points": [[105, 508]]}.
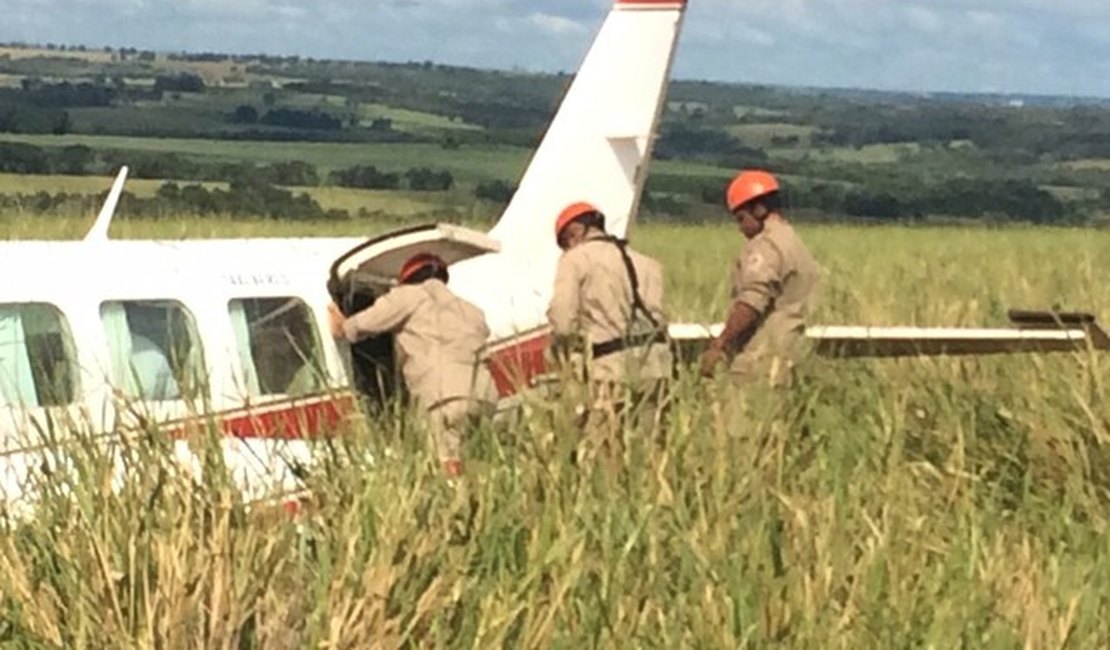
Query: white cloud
{"points": [[924, 20], [556, 25]]}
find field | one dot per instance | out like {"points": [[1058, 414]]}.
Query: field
{"points": [[932, 503], [395, 203], [470, 164], [917, 503]]}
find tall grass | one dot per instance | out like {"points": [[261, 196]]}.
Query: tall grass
{"points": [[916, 503]]}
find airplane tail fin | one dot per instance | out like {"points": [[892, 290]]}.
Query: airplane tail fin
{"points": [[99, 231], [598, 147]]}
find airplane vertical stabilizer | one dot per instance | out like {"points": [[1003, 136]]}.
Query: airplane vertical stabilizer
{"points": [[598, 146], [597, 149]]}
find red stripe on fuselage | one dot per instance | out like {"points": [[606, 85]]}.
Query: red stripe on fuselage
{"points": [[297, 420], [516, 363], [300, 419]]}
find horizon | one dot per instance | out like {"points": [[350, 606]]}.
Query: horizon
{"points": [[925, 93], [1052, 48]]}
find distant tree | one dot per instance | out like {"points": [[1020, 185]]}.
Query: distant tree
{"points": [[186, 82], [882, 205], [294, 119], [423, 179], [169, 192], [62, 124], [245, 114], [74, 160], [366, 177], [293, 172], [18, 158], [498, 191]]}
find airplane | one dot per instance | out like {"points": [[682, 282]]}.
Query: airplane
{"points": [[113, 336]]}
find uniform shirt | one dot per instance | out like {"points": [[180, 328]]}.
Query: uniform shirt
{"points": [[777, 277], [439, 337], [593, 299]]}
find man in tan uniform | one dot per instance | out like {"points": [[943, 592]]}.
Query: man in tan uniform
{"points": [[773, 283], [611, 297], [439, 337]]}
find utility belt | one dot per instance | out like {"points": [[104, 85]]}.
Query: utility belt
{"points": [[625, 343]]}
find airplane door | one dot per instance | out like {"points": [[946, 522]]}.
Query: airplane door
{"points": [[370, 270]]}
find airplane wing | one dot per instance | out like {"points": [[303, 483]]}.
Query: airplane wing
{"points": [[1032, 332]]}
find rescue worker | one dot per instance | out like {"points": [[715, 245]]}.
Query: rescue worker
{"points": [[773, 283], [611, 297], [439, 338]]}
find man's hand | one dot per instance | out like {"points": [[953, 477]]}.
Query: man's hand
{"points": [[741, 324], [335, 321], [711, 358]]}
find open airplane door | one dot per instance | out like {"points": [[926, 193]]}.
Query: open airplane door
{"points": [[1032, 332], [366, 272], [378, 261]]}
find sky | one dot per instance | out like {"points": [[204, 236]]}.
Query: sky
{"points": [[1058, 47]]}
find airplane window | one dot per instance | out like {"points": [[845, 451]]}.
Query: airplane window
{"points": [[156, 354], [278, 346], [37, 366]]}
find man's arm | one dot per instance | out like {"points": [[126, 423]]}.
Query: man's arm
{"points": [[742, 322], [562, 313], [387, 314], [760, 284]]}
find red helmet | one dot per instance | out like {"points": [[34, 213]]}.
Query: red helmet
{"points": [[418, 262], [749, 185], [572, 212]]}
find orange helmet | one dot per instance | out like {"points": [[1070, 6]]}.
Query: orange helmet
{"points": [[418, 262], [750, 184], [572, 212]]}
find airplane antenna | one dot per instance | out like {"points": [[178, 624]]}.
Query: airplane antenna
{"points": [[99, 231]]}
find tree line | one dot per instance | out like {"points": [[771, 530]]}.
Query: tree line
{"points": [[1003, 199], [79, 160], [244, 199]]}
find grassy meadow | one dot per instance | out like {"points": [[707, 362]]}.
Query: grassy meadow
{"points": [[933, 503]]}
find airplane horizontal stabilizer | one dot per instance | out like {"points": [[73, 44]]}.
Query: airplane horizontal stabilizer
{"points": [[1033, 332]]}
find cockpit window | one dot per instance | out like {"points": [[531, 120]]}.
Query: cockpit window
{"points": [[279, 350], [155, 350], [37, 366]]}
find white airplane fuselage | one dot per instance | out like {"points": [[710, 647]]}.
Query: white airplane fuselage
{"points": [[95, 334]]}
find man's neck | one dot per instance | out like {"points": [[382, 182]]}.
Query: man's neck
{"points": [[775, 218], [594, 233]]}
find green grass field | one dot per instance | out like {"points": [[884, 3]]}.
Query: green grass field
{"points": [[934, 503], [765, 136], [469, 164], [414, 121], [400, 203], [877, 154]]}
